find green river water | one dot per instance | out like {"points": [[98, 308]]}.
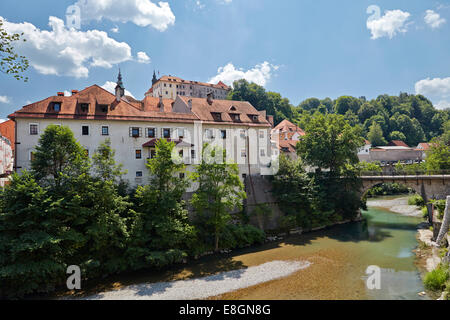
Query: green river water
{"points": [[340, 257]]}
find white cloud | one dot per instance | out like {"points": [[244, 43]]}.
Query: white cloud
{"points": [[259, 74], [389, 25], [142, 57], [433, 19], [141, 12], [115, 29], [437, 89], [61, 51], [443, 104], [4, 99], [111, 87]]}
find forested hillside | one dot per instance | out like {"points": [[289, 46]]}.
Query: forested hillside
{"points": [[407, 117]]}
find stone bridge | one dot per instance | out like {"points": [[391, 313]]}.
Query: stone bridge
{"points": [[428, 186]]}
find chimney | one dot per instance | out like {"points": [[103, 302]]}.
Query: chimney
{"points": [[60, 94], [210, 98], [74, 92], [270, 119], [161, 104], [190, 104]]}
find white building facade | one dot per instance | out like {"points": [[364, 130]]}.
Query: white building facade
{"points": [[170, 87], [134, 127]]}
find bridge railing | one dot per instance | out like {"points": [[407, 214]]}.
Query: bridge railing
{"points": [[405, 173]]}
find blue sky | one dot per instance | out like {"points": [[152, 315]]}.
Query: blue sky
{"points": [[300, 48]]}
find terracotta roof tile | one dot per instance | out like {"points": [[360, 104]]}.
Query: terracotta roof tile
{"points": [[204, 111], [287, 128]]}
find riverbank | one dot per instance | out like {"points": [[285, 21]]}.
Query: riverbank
{"points": [[396, 204]]}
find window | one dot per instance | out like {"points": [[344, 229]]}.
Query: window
{"points": [[151, 133], [84, 107], [85, 130], [262, 153], [105, 131], [103, 107], [135, 132], [209, 134], [243, 153], [243, 134], [216, 116], [33, 129], [224, 134], [181, 153], [152, 153], [193, 154], [139, 174], [262, 134], [181, 133], [138, 154], [166, 133], [57, 106], [235, 117], [254, 118], [32, 155]]}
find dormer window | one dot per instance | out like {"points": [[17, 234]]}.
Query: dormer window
{"points": [[233, 108], [235, 117], [216, 116], [57, 106], [254, 117], [103, 107], [84, 107]]}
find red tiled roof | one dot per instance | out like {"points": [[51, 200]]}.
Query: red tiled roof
{"points": [[398, 143], [287, 128], [127, 109], [130, 109], [7, 130], [424, 146], [288, 145], [203, 110]]}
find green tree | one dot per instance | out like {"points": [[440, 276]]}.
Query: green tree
{"points": [[375, 135], [161, 233], [220, 191], [446, 135], [330, 142], [346, 103], [438, 157], [32, 255], [397, 135], [59, 157], [104, 164], [10, 61], [310, 104], [272, 102], [292, 189]]}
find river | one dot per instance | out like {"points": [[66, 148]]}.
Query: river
{"points": [[337, 260], [340, 257]]}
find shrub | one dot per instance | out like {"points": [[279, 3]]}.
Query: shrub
{"points": [[436, 279], [240, 236], [416, 200]]}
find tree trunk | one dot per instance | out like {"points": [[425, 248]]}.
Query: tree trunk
{"points": [[217, 241], [445, 223]]}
